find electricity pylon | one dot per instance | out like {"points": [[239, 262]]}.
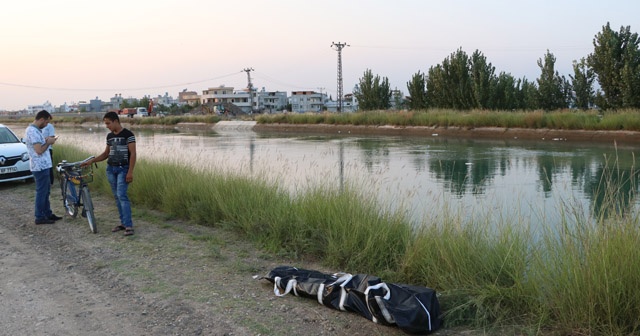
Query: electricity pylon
{"points": [[250, 88], [338, 47]]}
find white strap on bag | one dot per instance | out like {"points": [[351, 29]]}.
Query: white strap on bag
{"points": [[380, 302], [344, 278], [291, 284], [427, 312], [343, 292]]}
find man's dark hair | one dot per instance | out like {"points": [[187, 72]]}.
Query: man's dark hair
{"points": [[43, 114], [111, 116]]}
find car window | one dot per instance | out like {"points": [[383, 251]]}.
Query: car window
{"points": [[7, 136]]}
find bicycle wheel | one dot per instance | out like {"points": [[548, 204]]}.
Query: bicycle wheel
{"points": [[69, 198], [88, 209]]}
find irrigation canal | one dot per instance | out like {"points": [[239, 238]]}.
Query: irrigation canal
{"points": [[502, 181]]}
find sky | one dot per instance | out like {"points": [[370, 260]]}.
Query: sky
{"points": [[66, 51]]}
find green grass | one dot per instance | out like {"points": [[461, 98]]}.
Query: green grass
{"points": [[625, 119], [565, 119], [581, 278]]}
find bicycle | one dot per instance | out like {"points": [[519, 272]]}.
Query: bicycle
{"points": [[74, 181]]}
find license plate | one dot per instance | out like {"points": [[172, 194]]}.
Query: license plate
{"points": [[8, 170]]}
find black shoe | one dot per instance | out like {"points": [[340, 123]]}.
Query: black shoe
{"points": [[44, 221], [53, 217]]}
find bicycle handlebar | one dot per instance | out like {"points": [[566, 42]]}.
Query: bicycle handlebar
{"points": [[64, 164]]}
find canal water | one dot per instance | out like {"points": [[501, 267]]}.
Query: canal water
{"points": [[539, 183]]}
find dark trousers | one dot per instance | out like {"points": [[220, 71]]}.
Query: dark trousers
{"points": [[43, 189]]}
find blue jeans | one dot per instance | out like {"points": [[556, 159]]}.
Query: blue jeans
{"points": [[117, 179], [43, 189]]}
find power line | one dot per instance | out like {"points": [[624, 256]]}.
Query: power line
{"points": [[114, 89], [506, 49], [276, 81]]}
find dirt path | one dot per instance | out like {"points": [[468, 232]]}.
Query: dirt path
{"points": [[171, 278]]}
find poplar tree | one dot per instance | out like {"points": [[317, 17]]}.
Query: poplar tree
{"points": [[373, 92], [582, 84], [458, 81], [616, 62], [551, 86], [417, 88], [482, 80]]}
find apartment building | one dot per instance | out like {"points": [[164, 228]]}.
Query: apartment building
{"points": [[349, 104], [272, 101], [34, 109], [116, 101], [165, 100], [307, 101], [188, 97], [225, 94]]}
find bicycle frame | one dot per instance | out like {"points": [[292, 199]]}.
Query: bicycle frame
{"points": [[74, 181]]}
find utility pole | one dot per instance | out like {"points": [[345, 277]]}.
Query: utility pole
{"points": [[321, 99], [250, 88], [338, 47]]}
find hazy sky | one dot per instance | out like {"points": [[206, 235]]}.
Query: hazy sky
{"points": [[73, 50]]}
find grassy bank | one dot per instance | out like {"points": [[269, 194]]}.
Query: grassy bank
{"points": [[577, 280], [567, 120], [628, 119]]}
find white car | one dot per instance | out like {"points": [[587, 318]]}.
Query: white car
{"points": [[14, 159], [141, 112]]}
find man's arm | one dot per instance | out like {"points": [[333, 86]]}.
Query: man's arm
{"points": [[103, 156], [132, 161], [41, 148]]}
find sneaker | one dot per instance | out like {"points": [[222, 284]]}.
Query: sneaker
{"points": [[44, 221], [53, 217]]}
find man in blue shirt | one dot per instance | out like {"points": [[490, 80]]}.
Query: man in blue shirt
{"points": [[50, 131], [40, 164]]}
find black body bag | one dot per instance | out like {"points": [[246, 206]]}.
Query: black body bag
{"points": [[413, 309]]}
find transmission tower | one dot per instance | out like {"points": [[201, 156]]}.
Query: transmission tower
{"points": [[250, 88], [338, 47]]}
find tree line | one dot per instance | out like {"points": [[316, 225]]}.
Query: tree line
{"points": [[465, 82]]}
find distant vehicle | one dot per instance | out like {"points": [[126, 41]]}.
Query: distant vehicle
{"points": [[141, 112], [14, 158], [129, 112]]}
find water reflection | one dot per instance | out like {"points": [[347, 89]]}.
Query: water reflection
{"points": [[341, 161], [612, 191], [505, 179]]}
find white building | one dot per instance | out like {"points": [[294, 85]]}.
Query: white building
{"points": [[272, 101], [34, 109], [165, 100], [349, 104], [307, 101], [66, 108], [116, 101], [225, 94]]}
